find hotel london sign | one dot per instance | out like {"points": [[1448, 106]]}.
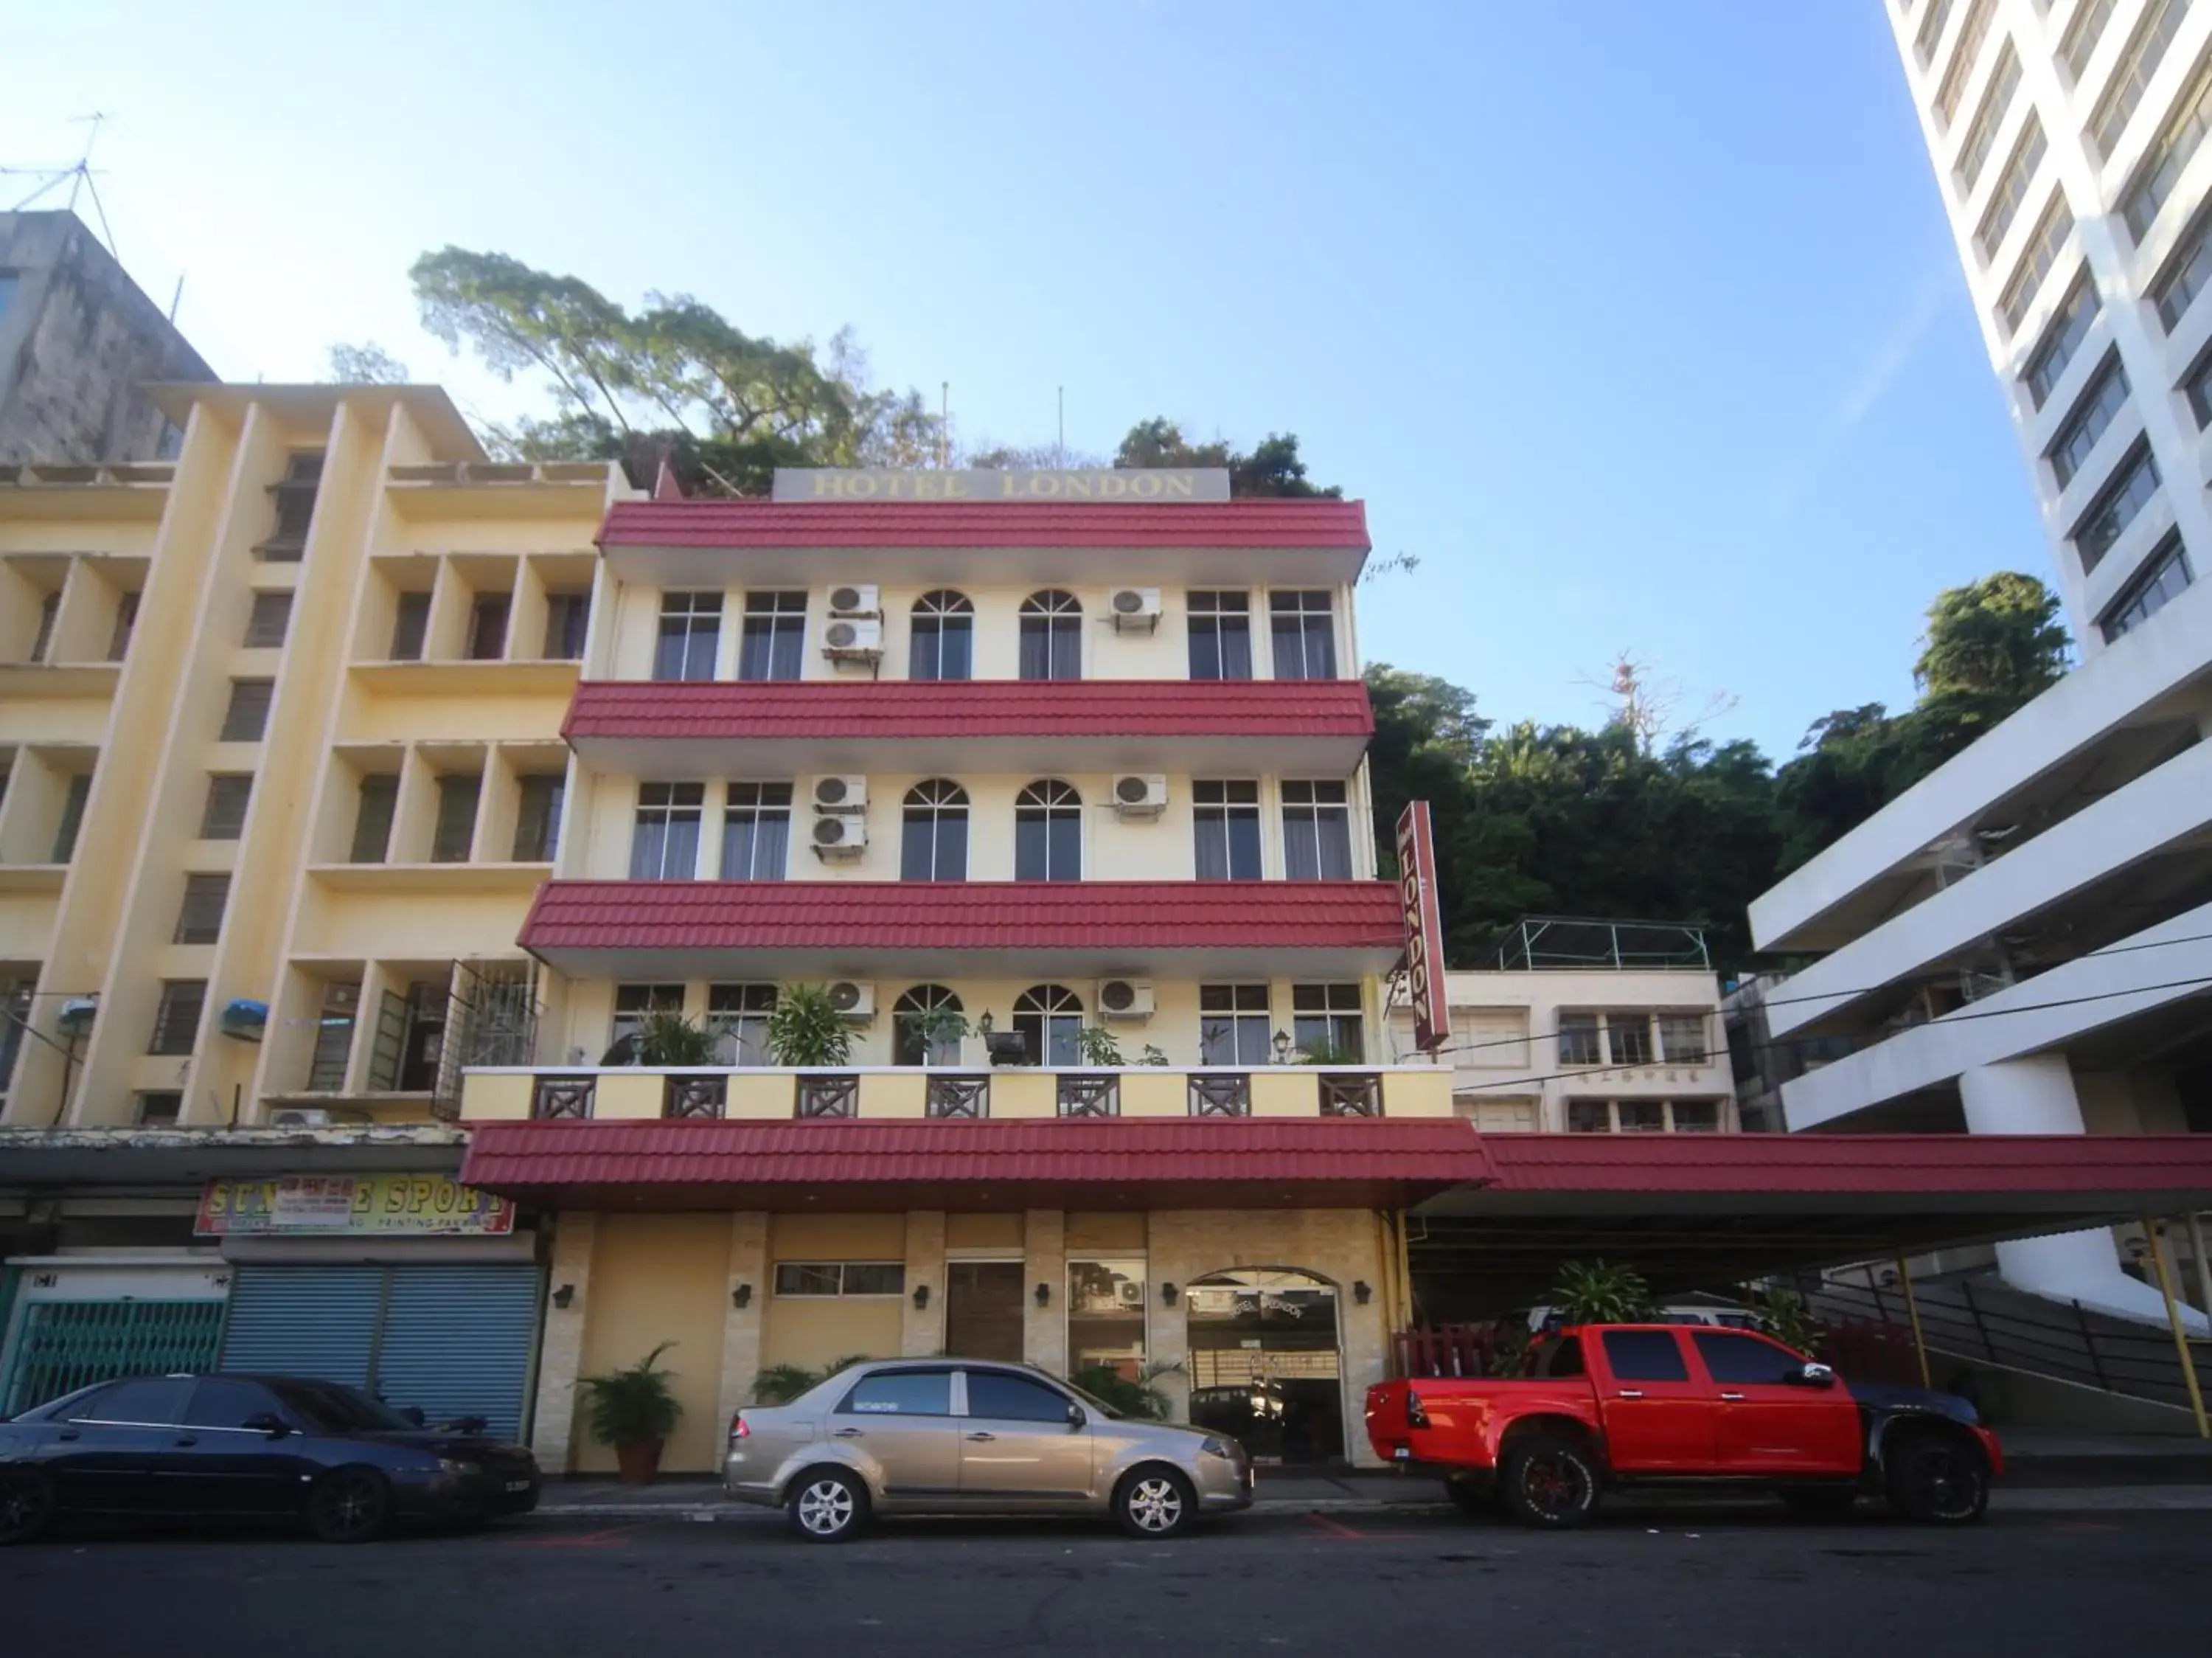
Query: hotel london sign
{"points": [[1425, 927]]}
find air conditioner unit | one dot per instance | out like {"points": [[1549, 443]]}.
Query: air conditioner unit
{"points": [[1129, 1293], [841, 793], [840, 835], [1138, 795], [1124, 998], [853, 639], [857, 600], [292, 1119], [1135, 610], [852, 999]]}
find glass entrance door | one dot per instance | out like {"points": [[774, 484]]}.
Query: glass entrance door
{"points": [[983, 1310], [1265, 1364]]}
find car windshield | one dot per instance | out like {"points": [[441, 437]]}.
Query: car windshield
{"points": [[343, 1410]]}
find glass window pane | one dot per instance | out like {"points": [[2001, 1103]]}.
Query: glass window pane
{"points": [[1005, 1397], [1730, 1358], [875, 1277], [901, 1394], [807, 1279], [1645, 1355]]}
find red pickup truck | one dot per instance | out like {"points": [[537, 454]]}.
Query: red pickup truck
{"points": [[1622, 1405]]}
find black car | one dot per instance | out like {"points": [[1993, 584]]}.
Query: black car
{"points": [[168, 1447]]}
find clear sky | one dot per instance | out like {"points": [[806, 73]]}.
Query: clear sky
{"points": [[1637, 321]]}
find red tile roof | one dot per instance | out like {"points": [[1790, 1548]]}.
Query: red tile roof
{"points": [[1258, 524], [813, 709], [975, 915], [1149, 1162]]}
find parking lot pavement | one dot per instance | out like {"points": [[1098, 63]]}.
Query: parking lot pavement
{"points": [[2044, 1584]]}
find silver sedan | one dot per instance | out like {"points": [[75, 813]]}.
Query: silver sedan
{"points": [[965, 1437]]}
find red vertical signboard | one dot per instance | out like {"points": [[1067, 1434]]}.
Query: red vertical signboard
{"points": [[1425, 927]]}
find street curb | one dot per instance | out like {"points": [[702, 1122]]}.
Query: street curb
{"points": [[751, 1511]]}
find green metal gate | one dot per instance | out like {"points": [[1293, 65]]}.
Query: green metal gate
{"points": [[65, 1345]]}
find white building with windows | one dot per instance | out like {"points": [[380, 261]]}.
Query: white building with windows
{"points": [[2022, 942]]}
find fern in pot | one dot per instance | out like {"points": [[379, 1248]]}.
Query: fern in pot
{"points": [[806, 1028], [633, 1409]]}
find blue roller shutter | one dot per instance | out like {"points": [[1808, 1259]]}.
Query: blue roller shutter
{"points": [[304, 1321], [458, 1340]]}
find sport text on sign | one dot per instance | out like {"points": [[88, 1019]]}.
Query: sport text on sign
{"points": [[340, 1204], [1425, 928], [988, 484]]}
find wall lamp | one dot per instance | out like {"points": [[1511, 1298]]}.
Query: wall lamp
{"points": [[1167, 1295], [921, 1296], [1361, 1290], [1044, 1294], [1282, 1048], [741, 1297], [564, 1294]]}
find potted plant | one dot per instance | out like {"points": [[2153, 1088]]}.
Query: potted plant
{"points": [[806, 1028], [932, 1029], [1597, 1292], [662, 1037], [1095, 1046], [634, 1410]]}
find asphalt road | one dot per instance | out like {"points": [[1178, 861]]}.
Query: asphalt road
{"points": [[1376, 1585]]}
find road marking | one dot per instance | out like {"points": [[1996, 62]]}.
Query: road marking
{"points": [[1334, 1528]]}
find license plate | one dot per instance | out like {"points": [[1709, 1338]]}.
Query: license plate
{"points": [[1401, 1453], [518, 1485]]}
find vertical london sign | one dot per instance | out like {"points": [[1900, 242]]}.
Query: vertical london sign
{"points": [[1423, 919]]}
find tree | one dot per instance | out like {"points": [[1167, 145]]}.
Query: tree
{"points": [[1272, 467], [1999, 638], [366, 364]]}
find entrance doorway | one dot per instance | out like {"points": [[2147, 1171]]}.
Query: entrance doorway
{"points": [[983, 1310], [1266, 1364]]}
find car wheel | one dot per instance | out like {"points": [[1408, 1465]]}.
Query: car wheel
{"points": [[1155, 1502], [1475, 1501], [353, 1505], [1550, 1481], [1811, 1503], [27, 1504], [827, 1506], [1934, 1480]]}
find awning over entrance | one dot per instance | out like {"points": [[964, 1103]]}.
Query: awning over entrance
{"points": [[1062, 1163]]}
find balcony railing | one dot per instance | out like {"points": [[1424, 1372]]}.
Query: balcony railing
{"points": [[911, 1092]]}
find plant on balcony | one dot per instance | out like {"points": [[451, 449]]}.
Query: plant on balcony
{"points": [[634, 1410], [1598, 1292], [1138, 1396], [1095, 1046], [670, 1038], [1151, 1056], [1321, 1051], [941, 1027], [806, 1029]]}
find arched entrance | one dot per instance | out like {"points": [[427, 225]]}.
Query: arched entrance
{"points": [[1266, 1362]]}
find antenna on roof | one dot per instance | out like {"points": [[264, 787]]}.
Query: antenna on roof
{"points": [[80, 178]]}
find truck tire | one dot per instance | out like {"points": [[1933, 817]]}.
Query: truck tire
{"points": [[1549, 1480], [1935, 1478]]}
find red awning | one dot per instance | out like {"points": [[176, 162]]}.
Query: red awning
{"points": [[1257, 524], [1122, 1163]]}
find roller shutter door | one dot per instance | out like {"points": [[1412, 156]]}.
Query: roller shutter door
{"points": [[317, 1321]]}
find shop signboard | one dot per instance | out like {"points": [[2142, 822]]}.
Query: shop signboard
{"points": [[351, 1205]]}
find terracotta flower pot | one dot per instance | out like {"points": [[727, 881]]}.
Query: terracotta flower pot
{"points": [[639, 1462]]}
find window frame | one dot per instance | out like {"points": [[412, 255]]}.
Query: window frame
{"points": [[373, 791], [777, 1269], [663, 808], [1341, 1017], [227, 791], [178, 996], [2169, 556], [752, 814], [772, 636], [1049, 635], [1048, 831], [939, 616], [1043, 1012], [1218, 622], [935, 806], [1230, 807], [1302, 634], [742, 1029], [1316, 827], [459, 809], [689, 636], [1246, 1021], [2093, 538], [243, 691], [268, 620], [204, 891]]}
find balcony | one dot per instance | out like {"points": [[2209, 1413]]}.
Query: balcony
{"points": [[907, 1094], [484, 489]]}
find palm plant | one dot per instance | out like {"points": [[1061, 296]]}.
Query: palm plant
{"points": [[632, 1405], [1597, 1292], [806, 1029], [1789, 1319], [940, 1026], [670, 1038], [1095, 1046], [780, 1384]]}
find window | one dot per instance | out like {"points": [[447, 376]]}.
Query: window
{"points": [[1052, 637], [1589, 1117], [372, 823], [458, 794], [1008, 1398], [774, 640], [1220, 635], [126, 622], [2162, 579], [566, 616], [841, 1278], [1225, 817], [1049, 1016], [2131, 490], [14, 1014], [1640, 1115], [219, 1402], [410, 625], [2004, 83], [1628, 1038], [944, 637], [756, 832], [1695, 1116], [2139, 61], [2042, 252], [2175, 149], [1325, 1023], [177, 1015], [1316, 832], [293, 498], [268, 620], [1645, 1355], [73, 802], [2079, 44], [1682, 1037], [910, 1028], [247, 716], [1579, 1043], [200, 918], [690, 629], [664, 845], [50, 606], [2185, 275], [487, 627], [148, 1401], [1049, 832], [538, 816], [1304, 636], [901, 1394], [633, 1002], [2068, 329], [1931, 28], [1731, 1357], [1232, 1025], [933, 837], [2011, 189], [2106, 396], [736, 1018], [326, 1065], [159, 1110], [1970, 35]]}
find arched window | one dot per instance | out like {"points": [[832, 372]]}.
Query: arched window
{"points": [[943, 646], [911, 1032], [1049, 1016], [933, 843], [1049, 832], [1051, 635]]}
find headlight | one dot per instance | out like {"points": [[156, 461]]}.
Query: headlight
{"points": [[1211, 1445], [458, 1468]]}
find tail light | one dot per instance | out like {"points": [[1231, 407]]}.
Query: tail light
{"points": [[1415, 1416], [738, 1429]]}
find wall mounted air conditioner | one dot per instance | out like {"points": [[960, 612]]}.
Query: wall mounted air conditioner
{"points": [[840, 835], [841, 793], [1124, 998], [1134, 610], [854, 999], [859, 600], [853, 639], [1138, 795]]}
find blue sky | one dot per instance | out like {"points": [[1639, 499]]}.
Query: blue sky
{"points": [[1637, 322]]}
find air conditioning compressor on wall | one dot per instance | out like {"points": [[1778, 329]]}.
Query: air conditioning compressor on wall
{"points": [[841, 793], [1135, 610], [852, 999], [1139, 795], [840, 835], [853, 639], [859, 600], [1124, 998]]}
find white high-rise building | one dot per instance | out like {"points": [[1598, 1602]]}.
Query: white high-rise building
{"points": [[2022, 942]]}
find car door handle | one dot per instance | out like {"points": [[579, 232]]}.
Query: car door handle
{"points": [[188, 1439], [974, 1437], [849, 1433], [1734, 1396], [1631, 1392], [68, 1433]]}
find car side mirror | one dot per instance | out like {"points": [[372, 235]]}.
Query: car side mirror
{"points": [[1076, 1418], [269, 1423], [414, 1414], [1814, 1373]]}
